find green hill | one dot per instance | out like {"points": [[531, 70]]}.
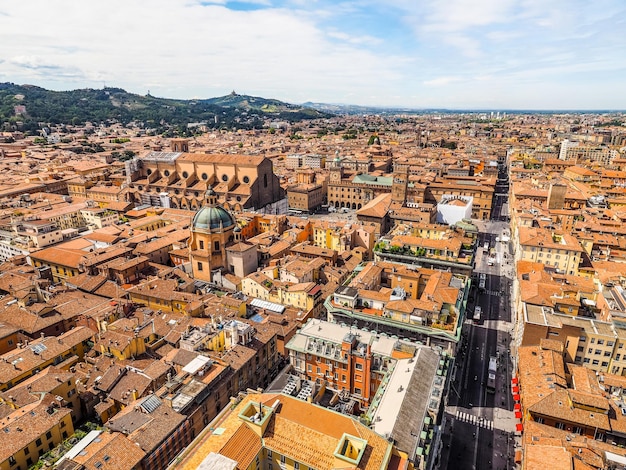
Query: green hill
{"points": [[116, 105]]}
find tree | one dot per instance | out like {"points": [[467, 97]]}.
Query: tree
{"points": [[374, 139]]}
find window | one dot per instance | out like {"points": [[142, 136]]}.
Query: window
{"points": [[265, 180], [597, 352], [166, 172], [185, 174], [246, 180], [201, 244], [586, 360], [12, 460], [358, 366], [319, 371], [595, 362], [26, 450], [600, 342], [282, 459], [296, 466], [610, 343], [343, 378], [590, 350], [48, 435], [617, 358], [605, 364], [205, 176], [199, 266], [38, 442], [607, 353], [216, 245], [593, 340], [578, 430], [269, 454], [559, 425], [357, 391], [580, 349]]}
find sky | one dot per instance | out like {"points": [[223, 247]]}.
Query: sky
{"points": [[456, 54]]}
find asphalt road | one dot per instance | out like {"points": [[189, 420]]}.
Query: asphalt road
{"points": [[474, 442]]}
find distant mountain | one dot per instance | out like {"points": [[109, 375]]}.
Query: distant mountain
{"points": [[356, 109], [31, 105], [263, 105]]}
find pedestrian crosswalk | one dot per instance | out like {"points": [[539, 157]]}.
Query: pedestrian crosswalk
{"points": [[473, 419]]}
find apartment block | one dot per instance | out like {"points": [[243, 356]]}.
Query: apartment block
{"points": [[562, 251]]}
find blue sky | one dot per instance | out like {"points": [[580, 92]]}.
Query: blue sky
{"points": [[489, 54]]}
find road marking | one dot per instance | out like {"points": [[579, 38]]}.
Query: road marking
{"points": [[473, 419]]}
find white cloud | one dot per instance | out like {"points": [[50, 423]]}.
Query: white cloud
{"points": [[440, 81], [460, 15], [398, 52]]}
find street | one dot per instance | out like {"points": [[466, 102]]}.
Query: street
{"points": [[480, 424]]}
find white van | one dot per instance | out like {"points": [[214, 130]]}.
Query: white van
{"points": [[477, 313]]}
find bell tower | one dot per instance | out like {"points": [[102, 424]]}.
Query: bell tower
{"points": [[399, 186]]}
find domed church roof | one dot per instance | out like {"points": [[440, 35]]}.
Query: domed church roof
{"points": [[212, 216]]}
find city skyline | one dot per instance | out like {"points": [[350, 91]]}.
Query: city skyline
{"points": [[482, 54]]}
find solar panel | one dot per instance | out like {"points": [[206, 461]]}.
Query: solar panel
{"points": [[38, 348]]}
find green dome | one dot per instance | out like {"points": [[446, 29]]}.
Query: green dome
{"points": [[212, 218]]}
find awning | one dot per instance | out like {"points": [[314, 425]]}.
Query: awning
{"points": [[516, 397], [517, 407], [518, 456], [515, 389], [519, 427], [514, 380], [518, 414]]}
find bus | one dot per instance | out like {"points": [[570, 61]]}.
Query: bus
{"points": [[491, 374], [482, 281], [477, 313]]}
